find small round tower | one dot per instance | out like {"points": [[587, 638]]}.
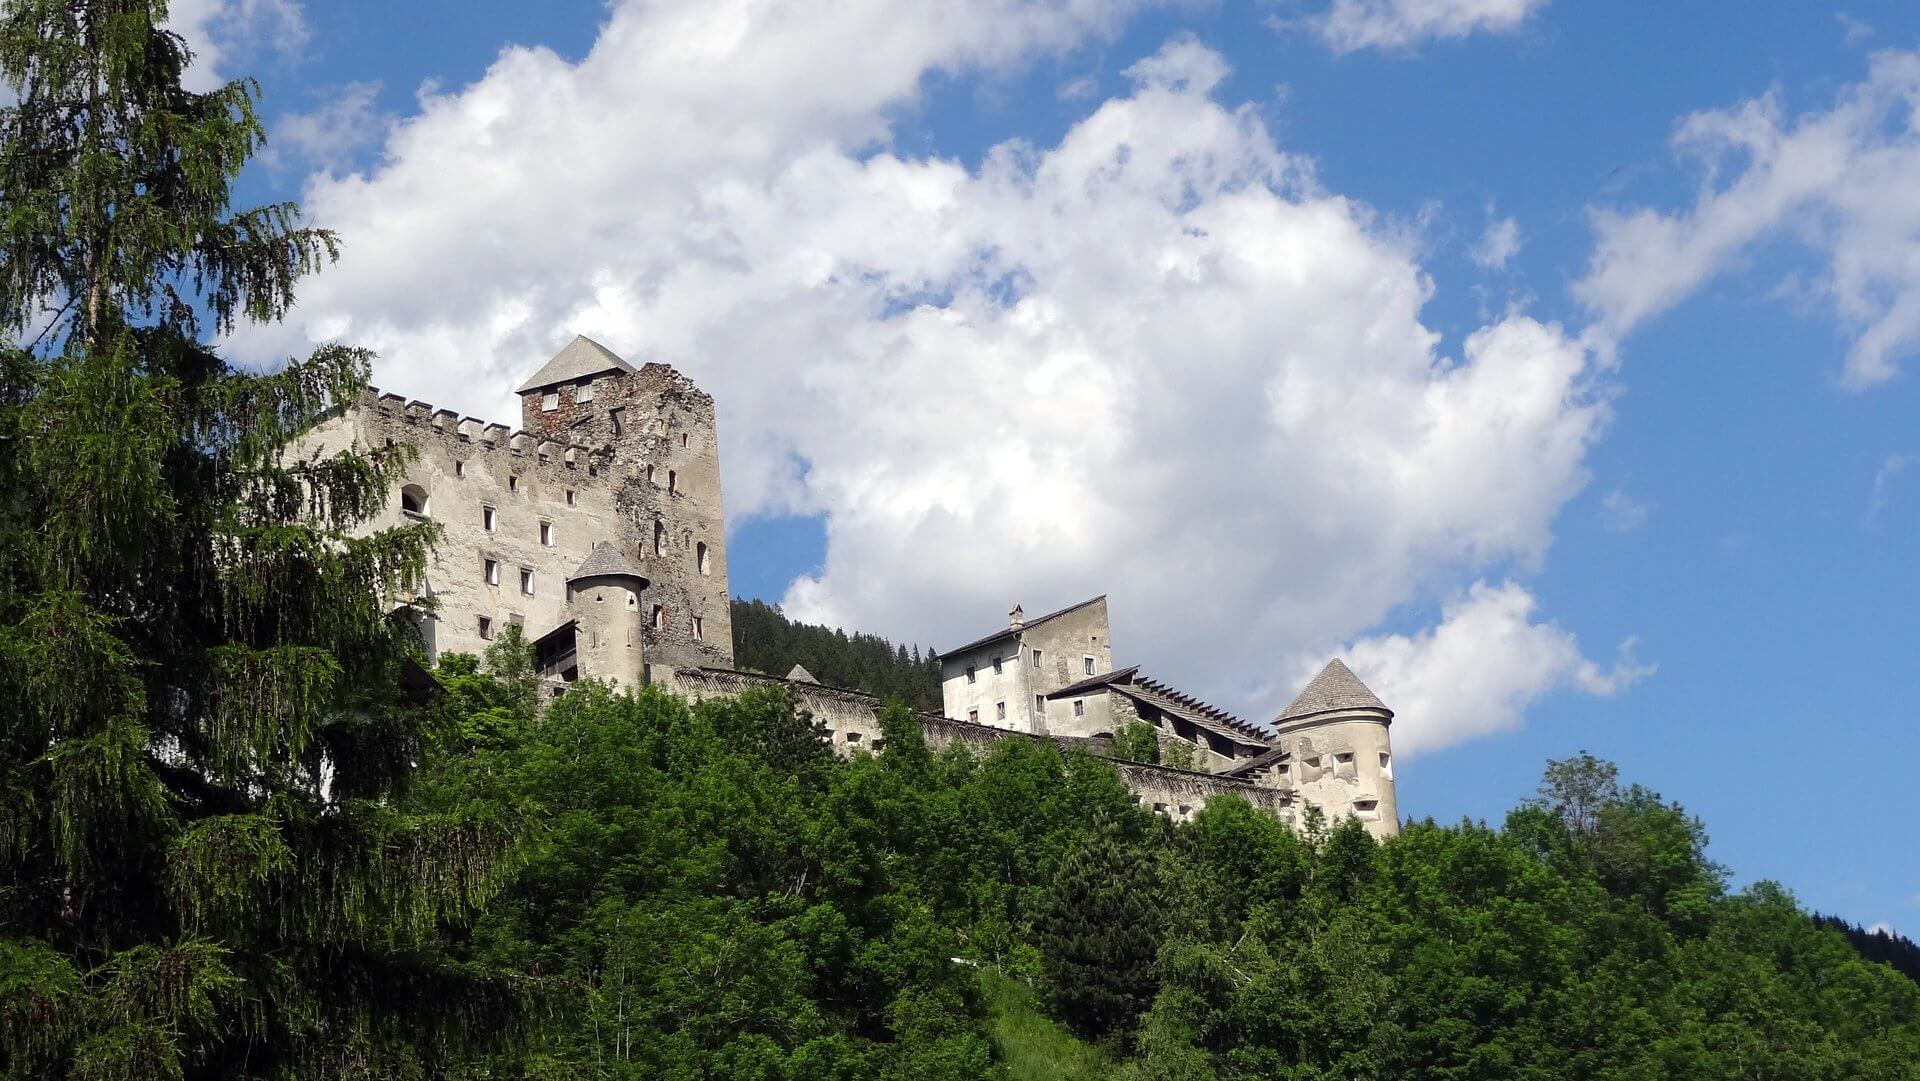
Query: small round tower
{"points": [[1339, 756], [603, 597]]}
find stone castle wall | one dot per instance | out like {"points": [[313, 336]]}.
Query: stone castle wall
{"points": [[852, 720]]}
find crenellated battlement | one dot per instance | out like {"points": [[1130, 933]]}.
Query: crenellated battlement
{"points": [[451, 426]]}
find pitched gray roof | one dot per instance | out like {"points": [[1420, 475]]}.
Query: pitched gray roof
{"points": [[1027, 626], [605, 559], [582, 357], [1335, 688], [801, 675], [1121, 676]]}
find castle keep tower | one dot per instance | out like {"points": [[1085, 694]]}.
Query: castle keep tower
{"points": [[653, 431], [609, 633]]}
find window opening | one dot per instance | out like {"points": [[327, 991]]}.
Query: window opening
{"points": [[486, 627], [486, 518], [492, 568], [546, 534], [526, 581], [549, 401]]}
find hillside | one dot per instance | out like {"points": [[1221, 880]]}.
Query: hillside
{"points": [[716, 895], [765, 640]]}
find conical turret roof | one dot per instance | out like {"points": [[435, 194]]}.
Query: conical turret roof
{"points": [[1335, 688], [605, 560], [582, 357]]}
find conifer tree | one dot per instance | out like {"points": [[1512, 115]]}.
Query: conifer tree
{"points": [[1097, 934], [202, 871]]}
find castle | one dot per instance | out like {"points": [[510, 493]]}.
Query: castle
{"points": [[597, 528]]}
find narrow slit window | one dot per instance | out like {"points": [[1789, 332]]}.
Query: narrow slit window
{"points": [[698, 629], [618, 419], [659, 618], [459, 469], [700, 558], [673, 481], [569, 497], [491, 568], [546, 534], [513, 484], [486, 518]]}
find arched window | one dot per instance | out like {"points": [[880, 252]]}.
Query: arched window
{"points": [[659, 537], [706, 567], [413, 500]]}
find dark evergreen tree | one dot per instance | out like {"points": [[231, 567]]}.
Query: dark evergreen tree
{"points": [[765, 640], [1097, 934], [201, 871]]}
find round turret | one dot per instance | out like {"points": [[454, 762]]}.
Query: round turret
{"points": [[1340, 758], [604, 597]]}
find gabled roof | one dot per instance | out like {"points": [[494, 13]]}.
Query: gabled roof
{"points": [[1027, 626], [582, 357], [1335, 688], [801, 675], [1092, 682], [605, 559]]}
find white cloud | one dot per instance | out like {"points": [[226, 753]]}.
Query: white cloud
{"points": [[1155, 360], [1349, 25], [222, 31], [1843, 182], [1622, 513], [1478, 670], [1890, 469], [326, 137], [1498, 244], [1882, 928], [1853, 30]]}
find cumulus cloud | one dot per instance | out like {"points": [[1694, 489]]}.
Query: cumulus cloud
{"points": [[1155, 359], [1478, 670], [326, 137], [1843, 182], [1349, 25], [1498, 244], [220, 31]]}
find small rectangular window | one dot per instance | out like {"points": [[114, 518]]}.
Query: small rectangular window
{"points": [[492, 567], [486, 518], [971, 674], [618, 418], [1079, 707], [659, 618], [973, 716], [996, 666], [459, 469], [550, 401], [697, 628], [526, 581], [1000, 711], [486, 627], [584, 393], [569, 497], [1089, 665], [853, 737], [1040, 703], [546, 534], [513, 484], [1036, 658]]}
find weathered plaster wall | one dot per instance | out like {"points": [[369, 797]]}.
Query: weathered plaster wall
{"points": [[1342, 764], [1066, 642], [464, 466], [981, 697], [609, 640]]}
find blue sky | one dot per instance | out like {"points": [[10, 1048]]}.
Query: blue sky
{"points": [[1045, 299]]}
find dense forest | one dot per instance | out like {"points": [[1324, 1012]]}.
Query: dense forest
{"points": [[706, 892], [243, 835], [765, 640]]}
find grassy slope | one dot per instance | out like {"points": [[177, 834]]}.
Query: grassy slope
{"points": [[1032, 1047]]}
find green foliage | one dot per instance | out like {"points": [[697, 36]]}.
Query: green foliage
{"points": [[765, 640], [1098, 933], [202, 873], [1136, 741]]}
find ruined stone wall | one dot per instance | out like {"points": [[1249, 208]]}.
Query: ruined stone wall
{"points": [[464, 466], [658, 431]]}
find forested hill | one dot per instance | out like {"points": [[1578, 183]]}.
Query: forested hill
{"points": [[1888, 948], [765, 640]]}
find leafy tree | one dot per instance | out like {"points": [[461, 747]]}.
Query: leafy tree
{"points": [[1098, 935], [202, 870], [1576, 788], [1136, 741]]}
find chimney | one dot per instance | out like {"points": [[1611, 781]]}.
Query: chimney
{"points": [[1016, 617]]}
